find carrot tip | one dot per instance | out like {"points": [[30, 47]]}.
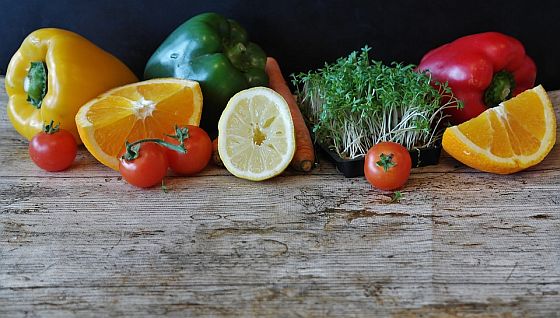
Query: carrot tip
{"points": [[305, 165]]}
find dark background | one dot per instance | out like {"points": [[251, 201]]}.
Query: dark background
{"points": [[302, 35]]}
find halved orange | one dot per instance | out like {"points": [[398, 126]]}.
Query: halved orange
{"points": [[148, 109], [513, 136]]}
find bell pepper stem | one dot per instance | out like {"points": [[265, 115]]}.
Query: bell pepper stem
{"points": [[500, 89], [35, 84], [133, 148], [236, 54]]}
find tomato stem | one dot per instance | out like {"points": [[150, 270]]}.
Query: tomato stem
{"points": [[50, 128], [180, 134], [386, 161], [133, 148]]}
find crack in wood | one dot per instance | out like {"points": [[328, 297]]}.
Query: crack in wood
{"points": [[217, 233]]}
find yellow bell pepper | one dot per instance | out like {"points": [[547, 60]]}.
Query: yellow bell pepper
{"points": [[53, 74]]}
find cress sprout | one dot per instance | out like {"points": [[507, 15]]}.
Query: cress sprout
{"points": [[356, 103]]}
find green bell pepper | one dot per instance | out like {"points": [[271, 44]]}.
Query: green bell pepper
{"points": [[216, 52]]}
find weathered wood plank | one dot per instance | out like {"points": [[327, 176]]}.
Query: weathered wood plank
{"points": [[283, 300], [459, 244], [340, 242]]}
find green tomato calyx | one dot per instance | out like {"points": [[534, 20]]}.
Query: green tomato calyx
{"points": [[386, 161]]}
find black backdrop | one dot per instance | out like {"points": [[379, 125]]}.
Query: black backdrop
{"points": [[301, 34]]}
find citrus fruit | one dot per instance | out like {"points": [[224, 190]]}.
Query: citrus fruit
{"points": [[148, 109], [513, 136], [256, 138]]}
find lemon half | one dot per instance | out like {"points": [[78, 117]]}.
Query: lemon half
{"points": [[256, 138]]}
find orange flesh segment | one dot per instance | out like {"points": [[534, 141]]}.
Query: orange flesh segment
{"points": [[477, 130], [529, 144], [535, 123], [124, 124], [501, 145], [149, 109]]}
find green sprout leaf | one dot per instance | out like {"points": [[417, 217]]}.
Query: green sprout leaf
{"points": [[356, 102], [163, 186], [396, 197]]}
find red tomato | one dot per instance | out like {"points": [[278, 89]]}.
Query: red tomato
{"points": [[53, 151], [387, 166], [199, 151], [148, 169]]}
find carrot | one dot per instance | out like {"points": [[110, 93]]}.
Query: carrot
{"points": [[304, 157]]}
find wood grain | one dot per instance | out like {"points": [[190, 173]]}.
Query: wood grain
{"points": [[460, 243]]}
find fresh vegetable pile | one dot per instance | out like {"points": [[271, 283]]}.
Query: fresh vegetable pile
{"points": [[356, 103], [64, 91]]}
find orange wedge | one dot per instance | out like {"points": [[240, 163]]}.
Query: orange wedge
{"points": [[146, 109], [513, 136]]}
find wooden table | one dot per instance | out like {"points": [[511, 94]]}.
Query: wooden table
{"points": [[460, 243]]}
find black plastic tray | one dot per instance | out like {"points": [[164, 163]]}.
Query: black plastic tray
{"points": [[352, 168]]}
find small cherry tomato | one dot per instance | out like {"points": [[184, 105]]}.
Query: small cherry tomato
{"points": [[387, 165], [199, 151], [53, 149], [148, 168]]}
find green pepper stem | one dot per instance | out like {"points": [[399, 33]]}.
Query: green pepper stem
{"points": [[35, 84], [237, 55], [133, 148], [500, 89]]}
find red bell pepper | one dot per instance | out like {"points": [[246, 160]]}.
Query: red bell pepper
{"points": [[482, 70]]}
